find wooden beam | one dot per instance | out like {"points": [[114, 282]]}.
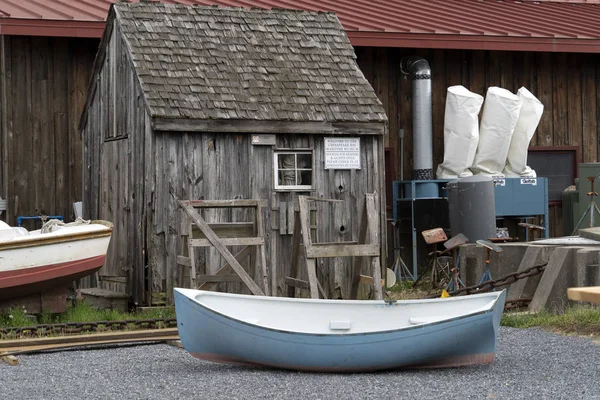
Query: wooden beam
{"points": [[224, 230], [590, 294], [262, 255], [94, 337], [373, 223], [185, 261], [295, 253], [12, 360], [216, 242], [318, 250], [276, 127], [225, 203], [296, 283], [238, 241], [357, 262]]}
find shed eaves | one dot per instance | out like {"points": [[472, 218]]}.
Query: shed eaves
{"points": [[234, 63]]}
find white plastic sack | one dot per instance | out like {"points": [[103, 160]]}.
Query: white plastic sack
{"points": [[529, 118], [461, 132], [500, 115]]}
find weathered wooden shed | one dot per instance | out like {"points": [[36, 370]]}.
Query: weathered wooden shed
{"points": [[226, 103]]}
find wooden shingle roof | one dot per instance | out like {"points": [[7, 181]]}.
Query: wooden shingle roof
{"points": [[212, 63]]}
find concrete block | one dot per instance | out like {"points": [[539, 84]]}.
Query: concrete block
{"points": [[587, 269], [525, 288], [551, 292], [590, 233]]}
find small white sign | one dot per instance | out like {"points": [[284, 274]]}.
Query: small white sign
{"points": [[529, 181], [342, 153], [499, 181]]}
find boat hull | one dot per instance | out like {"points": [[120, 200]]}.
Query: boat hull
{"points": [[32, 264], [211, 336], [26, 281]]}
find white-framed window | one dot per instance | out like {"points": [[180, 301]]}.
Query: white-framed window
{"points": [[293, 169]]}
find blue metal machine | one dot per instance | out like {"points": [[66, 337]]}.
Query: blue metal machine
{"points": [[421, 205]]}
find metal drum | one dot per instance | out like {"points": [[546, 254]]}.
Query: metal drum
{"points": [[472, 207]]}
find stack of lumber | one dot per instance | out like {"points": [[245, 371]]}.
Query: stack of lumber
{"points": [[10, 348]]}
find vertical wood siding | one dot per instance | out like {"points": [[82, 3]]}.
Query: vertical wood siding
{"points": [[567, 85], [115, 170], [44, 90]]}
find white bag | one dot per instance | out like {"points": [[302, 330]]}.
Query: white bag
{"points": [[529, 118], [461, 132], [500, 115]]}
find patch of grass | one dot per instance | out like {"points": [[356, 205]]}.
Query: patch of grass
{"points": [[80, 312], [577, 319], [15, 317], [404, 290]]}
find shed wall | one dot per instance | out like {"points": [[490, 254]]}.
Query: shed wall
{"points": [[227, 166], [114, 169]]}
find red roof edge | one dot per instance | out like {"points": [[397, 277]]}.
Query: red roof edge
{"points": [[94, 29], [472, 42], [36, 27]]}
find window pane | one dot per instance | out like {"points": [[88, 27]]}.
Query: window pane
{"points": [[286, 178], [304, 177], [304, 161], [286, 161]]}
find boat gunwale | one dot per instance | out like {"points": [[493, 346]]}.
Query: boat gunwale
{"points": [[42, 240], [332, 335]]}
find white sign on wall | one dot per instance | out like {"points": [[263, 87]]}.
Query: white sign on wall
{"points": [[342, 153]]}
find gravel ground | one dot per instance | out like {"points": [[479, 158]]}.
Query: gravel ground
{"points": [[530, 364]]}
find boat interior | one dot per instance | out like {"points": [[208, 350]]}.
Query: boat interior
{"points": [[15, 234], [340, 316]]}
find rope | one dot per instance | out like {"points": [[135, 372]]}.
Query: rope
{"points": [[51, 224]]}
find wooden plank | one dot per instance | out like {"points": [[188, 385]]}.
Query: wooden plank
{"points": [[590, 294], [283, 215], [225, 203], [293, 283], [296, 238], [277, 127], [226, 230], [217, 243], [9, 359], [253, 241], [262, 256], [34, 349], [310, 262], [226, 268], [357, 262], [290, 218], [318, 250], [218, 278], [88, 338], [374, 239], [192, 258], [185, 261], [589, 109]]}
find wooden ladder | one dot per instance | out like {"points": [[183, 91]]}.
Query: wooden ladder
{"points": [[368, 245], [197, 232]]}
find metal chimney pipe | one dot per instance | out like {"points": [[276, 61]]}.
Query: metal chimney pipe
{"points": [[420, 73]]}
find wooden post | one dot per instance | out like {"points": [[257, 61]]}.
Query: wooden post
{"points": [[295, 254], [373, 222], [262, 257]]}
